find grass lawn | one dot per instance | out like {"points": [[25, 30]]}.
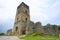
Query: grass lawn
{"points": [[36, 36]]}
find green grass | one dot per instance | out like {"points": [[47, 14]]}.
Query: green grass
{"points": [[39, 36]]}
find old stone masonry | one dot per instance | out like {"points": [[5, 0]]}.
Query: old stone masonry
{"points": [[23, 25]]}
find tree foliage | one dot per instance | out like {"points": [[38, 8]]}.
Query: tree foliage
{"points": [[59, 27], [2, 34]]}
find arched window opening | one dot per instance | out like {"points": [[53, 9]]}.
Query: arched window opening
{"points": [[17, 19], [26, 19], [16, 28], [25, 11]]}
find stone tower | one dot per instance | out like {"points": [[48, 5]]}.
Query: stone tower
{"points": [[21, 20]]}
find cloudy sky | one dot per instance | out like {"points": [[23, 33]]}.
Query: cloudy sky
{"points": [[45, 11]]}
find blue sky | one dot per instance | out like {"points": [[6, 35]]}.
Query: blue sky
{"points": [[45, 11]]}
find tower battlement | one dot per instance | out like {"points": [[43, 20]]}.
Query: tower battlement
{"points": [[23, 4]]}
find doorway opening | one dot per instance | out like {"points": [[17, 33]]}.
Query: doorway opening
{"points": [[16, 28], [23, 32]]}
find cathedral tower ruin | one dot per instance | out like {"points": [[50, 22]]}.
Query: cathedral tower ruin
{"points": [[21, 20]]}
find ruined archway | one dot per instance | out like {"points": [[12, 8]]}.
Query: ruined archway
{"points": [[16, 28]]}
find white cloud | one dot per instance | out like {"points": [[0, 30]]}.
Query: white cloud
{"points": [[5, 16], [56, 4], [39, 9], [7, 10], [39, 16]]}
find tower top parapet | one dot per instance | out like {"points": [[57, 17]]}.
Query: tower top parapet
{"points": [[23, 4]]}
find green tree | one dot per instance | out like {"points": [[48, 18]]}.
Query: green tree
{"points": [[2, 34], [59, 27]]}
